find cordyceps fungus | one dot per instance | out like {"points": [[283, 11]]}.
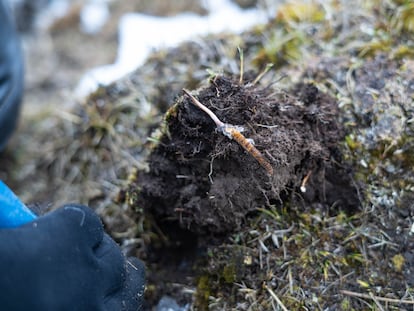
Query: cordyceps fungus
{"points": [[207, 183], [234, 132]]}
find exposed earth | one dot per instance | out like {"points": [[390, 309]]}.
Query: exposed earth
{"points": [[205, 182]]}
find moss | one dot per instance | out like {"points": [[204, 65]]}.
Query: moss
{"points": [[377, 45], [403, 51], [300, 12], [229, 273], [352, 143], [403, 17], [346, 305], [171, 113], [285, 41], [203, 293], [398, 262], [280, 49], [132, 199]]}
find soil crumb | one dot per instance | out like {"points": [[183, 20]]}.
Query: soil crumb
{"points": [[207, 183]]}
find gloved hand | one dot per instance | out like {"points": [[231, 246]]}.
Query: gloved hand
{"points": [[11, 74], [64, 261]]}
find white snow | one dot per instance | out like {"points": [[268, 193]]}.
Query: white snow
{"points": [[93, 16], [139, 34]]}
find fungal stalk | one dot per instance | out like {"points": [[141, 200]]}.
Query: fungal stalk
{"points": [[233, 132]]}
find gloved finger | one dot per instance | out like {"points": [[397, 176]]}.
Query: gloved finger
{"points": [[131, 296], [112, 265], [135, 284], [77, 221], [88, 223]]}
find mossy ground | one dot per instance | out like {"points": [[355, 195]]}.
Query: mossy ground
{"points": [[298, 254]]}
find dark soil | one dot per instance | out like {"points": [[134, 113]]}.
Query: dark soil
{"points": [[207, 183]]}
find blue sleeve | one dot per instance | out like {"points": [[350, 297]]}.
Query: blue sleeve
{"points": [[13, 212]]}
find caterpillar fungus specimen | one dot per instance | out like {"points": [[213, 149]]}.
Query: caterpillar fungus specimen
{"points": [[234, 132]]}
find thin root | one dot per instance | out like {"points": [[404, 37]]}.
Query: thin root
{"points": [[205, 109]]}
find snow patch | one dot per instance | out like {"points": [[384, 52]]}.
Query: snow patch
{"points": [[140, 34]]}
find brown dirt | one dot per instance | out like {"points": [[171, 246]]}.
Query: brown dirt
{"points": [[206, 182]]}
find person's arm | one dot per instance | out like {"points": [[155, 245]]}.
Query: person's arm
{"points": [[11, 75], [65, 261]]}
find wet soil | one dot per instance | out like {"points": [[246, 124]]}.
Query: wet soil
{"points": [[205, 182], [203, 187]]}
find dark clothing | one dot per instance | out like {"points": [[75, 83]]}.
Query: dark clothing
{"points": [[64, 261], [11, 75]]}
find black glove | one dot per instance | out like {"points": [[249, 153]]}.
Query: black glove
{"points": [[64, 261], [11, 75]]}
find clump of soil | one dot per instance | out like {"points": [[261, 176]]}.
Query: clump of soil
{"points": [[207, 183]]}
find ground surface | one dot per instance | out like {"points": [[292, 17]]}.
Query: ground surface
{"points": [[335, 115], [204, 180]]}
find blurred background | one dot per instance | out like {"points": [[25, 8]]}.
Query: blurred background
{"points": [[63, 40], [73, 47]]}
